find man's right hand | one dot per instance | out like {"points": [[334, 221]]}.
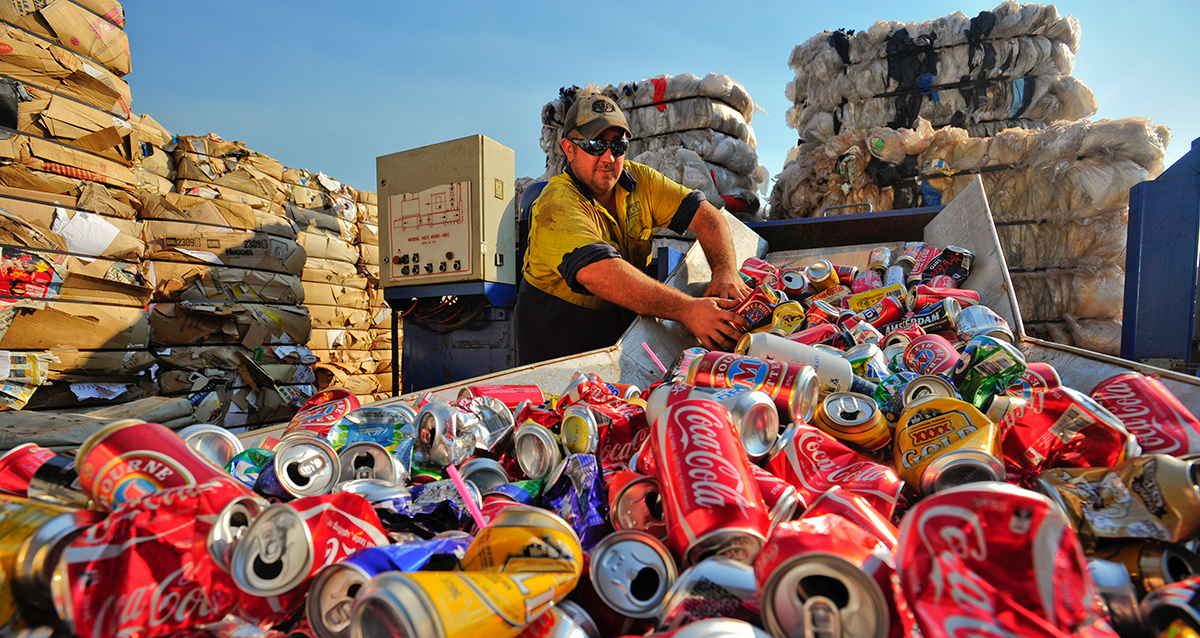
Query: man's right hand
{"points": [[713, 322]]}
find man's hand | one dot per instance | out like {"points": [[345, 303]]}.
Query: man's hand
{"points": [[727, 285], [713, 322]]}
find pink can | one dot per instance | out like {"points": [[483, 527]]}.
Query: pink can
{"points": [[930, 354]]}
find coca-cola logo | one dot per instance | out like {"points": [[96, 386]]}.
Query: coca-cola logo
{"points": [[810, 443], [1159, 428], [860, 471], [177, 601], [952, 528], [714, 479]]}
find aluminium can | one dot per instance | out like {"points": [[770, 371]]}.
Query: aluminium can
{"points": [[631, 572], [635, 503], [57, 481], [854, 418], [230, 524], [753, 412], [303, 465], [1151, 563], [213, 442], [537, 449], [487, 474], [716, 587], [793, 387], [369, 460]]}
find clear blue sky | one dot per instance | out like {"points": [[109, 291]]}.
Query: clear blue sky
{"points": [[330, 86]]}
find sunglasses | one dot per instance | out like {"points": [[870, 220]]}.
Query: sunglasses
{"points": [[597, 147]]}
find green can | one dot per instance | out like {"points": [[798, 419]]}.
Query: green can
{"points": [[889, 394], [987, 367], [246, 465], [867, 361]]}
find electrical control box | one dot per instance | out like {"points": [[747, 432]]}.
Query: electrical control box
{"points": [[447, 214]]}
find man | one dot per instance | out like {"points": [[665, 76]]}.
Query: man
{"points": [[590, 237]]}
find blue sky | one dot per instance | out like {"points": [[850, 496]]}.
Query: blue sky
{"points": [[330, 86]]}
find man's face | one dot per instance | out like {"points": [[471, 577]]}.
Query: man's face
{"points": [[599, 173]]}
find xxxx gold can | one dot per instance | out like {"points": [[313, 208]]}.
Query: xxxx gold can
{"points": [[943, 442], [854, 418], [518, 567]]}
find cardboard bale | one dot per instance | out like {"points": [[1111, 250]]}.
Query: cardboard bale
{"points": [[196, 243], [230, 173], [331, 271], [85, 326], [199, 358], [150, 131], [151, 182], [368, 255], [215, 212], [368, 213], [73, 122], [212, 190], [174, 281], [73, 396], [367, 197], [98, 199], [72, 364], [54, 157], [249, 324], [335, 295], [88, 34], [339, 375], [323, 220], [368, 233], [336, 317], [340, 339], [357, 361], [319, 246], [371, 271], [30, 59]]}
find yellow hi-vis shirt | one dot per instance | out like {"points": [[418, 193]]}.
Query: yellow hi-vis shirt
{"points": [[569, 230]]}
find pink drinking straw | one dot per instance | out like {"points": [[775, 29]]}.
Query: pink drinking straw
{"points": [[651, 353], [466, 494]]}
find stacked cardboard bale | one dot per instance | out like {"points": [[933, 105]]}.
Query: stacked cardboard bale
{"points": [[1008, 67], [694, 130]]}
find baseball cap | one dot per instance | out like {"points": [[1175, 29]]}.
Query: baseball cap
{"points": [[591, 115]]}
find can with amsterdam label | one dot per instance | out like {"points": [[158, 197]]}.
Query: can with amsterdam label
{"points": [[943, 442], [127, 459]]}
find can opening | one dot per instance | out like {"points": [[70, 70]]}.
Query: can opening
{"points": [[961, 475], [295, 476], [645, 585], [827, 586], [238, 519], [267, 571], [364, 460], [352, 590], [654, 505], [1177, 568], [1194, 474], [378, 618]]}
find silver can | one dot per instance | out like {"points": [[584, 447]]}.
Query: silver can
{"points": [[275, 553], [212, 442], [726, 588], [330, 599], [632, 572], [723, 628], [754, 412], [487, 474], [231, 524], [571, 621], [302, 466], [638, 506], [974, 321], [493, 422], [927, 385], [369, 460], [1116, 590], [380, 494], [444, 436], [537, 450], [895, 275], [811, 594]]}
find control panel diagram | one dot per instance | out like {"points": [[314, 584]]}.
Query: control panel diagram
{"points": [[430, 231]]}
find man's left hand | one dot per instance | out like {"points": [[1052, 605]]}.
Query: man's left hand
{"points": [[727, 286]]}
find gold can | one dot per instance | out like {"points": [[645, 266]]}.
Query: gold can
{"points": [[855, 419], [942, 442], [527, 560], [1151, 564]]}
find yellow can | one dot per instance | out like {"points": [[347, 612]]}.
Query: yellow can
{"points": [[525, 539], [942, 442]]}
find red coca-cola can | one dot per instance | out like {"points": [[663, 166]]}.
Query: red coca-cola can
{"points": [[145, 570], [323, 410], [921, 297], [857, 510], [814, 461], [1062, 427], [1161, 423], [128, 459], [930, 354], [510, 395], [287, 543], [781, 498], [18, 466], [635, 503], [942, 281], [866, 280], [995, 558], [824, 575], [711, 500]]}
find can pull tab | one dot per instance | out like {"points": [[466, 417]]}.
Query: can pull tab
{"points": [[270, 543], [821, 618], [311, 466], [848, 408]]}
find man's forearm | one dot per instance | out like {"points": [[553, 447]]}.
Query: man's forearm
{"points": [[617, 281], [715, 239]]}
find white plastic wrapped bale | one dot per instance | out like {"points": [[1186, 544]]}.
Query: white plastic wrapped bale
{"points": [[670, 88], [1085, 292], [712, 146], [1095, 240]]}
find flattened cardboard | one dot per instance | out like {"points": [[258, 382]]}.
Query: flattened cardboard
{"points": [[339, 339], [65, 160], [195, 243], [368, 233], [369, 255], [174, 281], [217, 212], [85, 326], [348, 279], [229, 356], [319, 246], [335, 295], [193, 323], [336, 317], [37, 59], [321, 220], [73, 363], [344, 268], [212, 191], [98, 199], [89, 34]]}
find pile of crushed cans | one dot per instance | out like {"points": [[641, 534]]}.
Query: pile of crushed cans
{"points": [[876, 460]]}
